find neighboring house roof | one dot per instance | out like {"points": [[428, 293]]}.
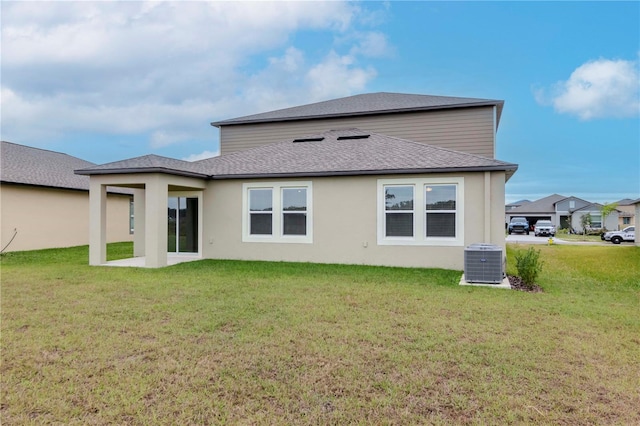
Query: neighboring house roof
{"points": [[519, 203], [509, 207], [365, 104], [25, 165], [543, 205], [593, 207], [627, 202], [332, 153], [33, 166]]}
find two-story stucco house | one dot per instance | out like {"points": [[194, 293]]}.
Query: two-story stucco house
{"points": [[377, 179]]}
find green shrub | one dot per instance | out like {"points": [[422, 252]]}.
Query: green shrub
{"points": [[529, 265]]}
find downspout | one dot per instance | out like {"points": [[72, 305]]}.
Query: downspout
{"points": [[495, 129], [487, 207]]}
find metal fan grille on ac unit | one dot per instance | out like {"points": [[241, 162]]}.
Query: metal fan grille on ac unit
{"points": [[483, 263]]}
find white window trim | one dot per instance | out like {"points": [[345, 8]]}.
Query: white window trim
{"points": [[277, 213], [419, 213]]}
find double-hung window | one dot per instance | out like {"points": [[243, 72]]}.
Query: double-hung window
{"points": [[261, 211], [398, 214], [421, 211], [278, 212], [294, 211], [440, 208]]}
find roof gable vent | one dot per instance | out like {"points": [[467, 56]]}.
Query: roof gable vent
{"points": [[316, 139], [348, 137]]}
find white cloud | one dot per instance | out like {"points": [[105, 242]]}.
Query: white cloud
{"points": [[597, 89], [336, 76], [372, 44], [162, 138], [202, 156], [166, 69], [292, 79]]}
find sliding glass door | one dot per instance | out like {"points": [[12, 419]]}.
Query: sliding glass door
{"points": [[183, 225]]}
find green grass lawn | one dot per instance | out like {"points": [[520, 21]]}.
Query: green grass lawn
{"points": [[578, 237], [227, 342]]}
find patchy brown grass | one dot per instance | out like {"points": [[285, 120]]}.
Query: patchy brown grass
{"points": [[221, 342]]}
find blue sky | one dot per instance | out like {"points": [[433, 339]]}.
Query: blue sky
{"points": [[106, 81]]}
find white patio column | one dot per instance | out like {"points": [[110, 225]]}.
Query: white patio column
{"points": [[138, 222], [156, 218], [97, 222]]}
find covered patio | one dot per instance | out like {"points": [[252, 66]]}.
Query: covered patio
{"points": [[153, 218]]}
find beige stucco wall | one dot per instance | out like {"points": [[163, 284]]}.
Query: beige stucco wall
{"points": [[48, 217], [345, 224], [461, 129], [630, 209]]}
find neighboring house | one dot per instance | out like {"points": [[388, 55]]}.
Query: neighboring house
{"points": [[636, 215], [555, 208], [298, 185], [626, 207], [564, 212], [595, 211], [43, 204]]}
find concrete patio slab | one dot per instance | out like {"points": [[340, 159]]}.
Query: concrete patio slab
{"points": [[504, 284], [140, 262]]}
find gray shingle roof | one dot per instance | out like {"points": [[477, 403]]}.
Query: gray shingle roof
{"points": [[543, 205], [330, 156], [33, 166], [365, 104], [333, 156], [589, 207], [627, 202], [147, 164]]}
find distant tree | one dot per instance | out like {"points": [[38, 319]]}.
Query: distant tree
{"points": [[606, 210]]}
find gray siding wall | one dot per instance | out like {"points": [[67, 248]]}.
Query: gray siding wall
{"points": [[464, 129], [564, 205]]}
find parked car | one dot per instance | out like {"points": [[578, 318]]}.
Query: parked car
{"points": [[616, 237], [544, 227], [519, 225]]}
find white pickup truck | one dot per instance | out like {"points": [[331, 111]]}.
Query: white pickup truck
{"points": [[616, 237]]}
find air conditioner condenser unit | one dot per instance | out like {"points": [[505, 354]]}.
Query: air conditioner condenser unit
{"points": [[484, 263]]}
